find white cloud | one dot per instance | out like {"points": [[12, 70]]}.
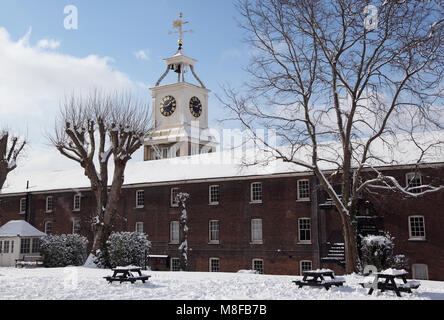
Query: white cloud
{"points": [[142, 55], [48, 44], [33, 82]]}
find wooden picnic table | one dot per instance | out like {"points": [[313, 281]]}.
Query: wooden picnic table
{"points": [[386, 282], [315, 278], [124, 274]]}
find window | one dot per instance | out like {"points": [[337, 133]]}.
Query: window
{"points": [[303, 189], [214, 194], [174, 232], [23, 203], [175, 264], [258, 265], [48, 227], [174, 201], [413, 182], [76, 227], [1, 246], [5, 247], [420, 272], [305, 265], [12, 246], [256, 192], [304, 230], [256, 231], [214, 264], [49, 204], [77, 202], [416, 228], [35, 245], [214, 231], [140, 198], [139, 227], [25, 245]]}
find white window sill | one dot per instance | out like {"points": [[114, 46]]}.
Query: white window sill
{"points": [[22, 213], [174, 242], [48, 211], [213, 204], [214, 242], [417, 239], [139, 207], [76, 210], [304, 200], [304, 242], [255, 202], [257, 242]]}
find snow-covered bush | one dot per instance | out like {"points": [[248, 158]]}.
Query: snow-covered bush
{"points": [[377, 251], [123, 249], [63, 250]]}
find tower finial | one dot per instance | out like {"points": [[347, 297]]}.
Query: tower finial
{"points": [[178, 24]]}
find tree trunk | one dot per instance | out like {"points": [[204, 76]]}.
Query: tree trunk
{"points": [[350, 245]]}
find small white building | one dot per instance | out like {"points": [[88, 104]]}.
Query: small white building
{"points": [[18, 239]]}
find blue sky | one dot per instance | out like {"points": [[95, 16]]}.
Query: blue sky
{"points": [[41, 61], [118, 29]]}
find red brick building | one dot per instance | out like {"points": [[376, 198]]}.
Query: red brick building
{"points": [[275, 219], [275, 223]]}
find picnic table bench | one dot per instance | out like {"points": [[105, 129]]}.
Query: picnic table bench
{"points": [[388, 282], [29, 261], [125, 274], [315, 278]]}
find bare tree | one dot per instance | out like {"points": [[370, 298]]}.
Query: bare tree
{"points": [[10, 150], [349, 72], [93, 129]]}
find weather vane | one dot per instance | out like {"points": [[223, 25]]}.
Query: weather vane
{"points": [[178, 24]]}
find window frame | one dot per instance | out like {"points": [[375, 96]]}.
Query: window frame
{"points": [[172, 264], [252, 200], [300, 266], [210, 260], [23, 246], [416, 175], [6, 245], [416, 238], [252, 223], [46, 227], [210, 232], [300, 241], [415, 265], [23, 203], [47, 209], [210, 199], [299, 198], [172, 202], [257, 260], [172, 241], [74, 223], [138, 192], [74, 207], [138, 224]]}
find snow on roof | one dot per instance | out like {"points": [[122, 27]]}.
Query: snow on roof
{"points": [[19, 228], [218, 165]]}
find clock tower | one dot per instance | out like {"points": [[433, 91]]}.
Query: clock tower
{"points": [[180, 111]]}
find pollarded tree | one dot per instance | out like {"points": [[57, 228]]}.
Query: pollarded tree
{"points": [[10, 150], [92, 130], [355, 72]]}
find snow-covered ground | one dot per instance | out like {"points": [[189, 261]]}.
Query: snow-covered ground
{"points": [[82, 283]]}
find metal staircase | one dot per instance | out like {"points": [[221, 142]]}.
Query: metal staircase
{"points": [[336, 253]]}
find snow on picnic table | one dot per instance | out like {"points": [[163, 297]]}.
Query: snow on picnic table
{"points": [[82, 283]]}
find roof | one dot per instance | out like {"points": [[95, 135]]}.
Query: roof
{"points": [[19, 228], [218, 165]]}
